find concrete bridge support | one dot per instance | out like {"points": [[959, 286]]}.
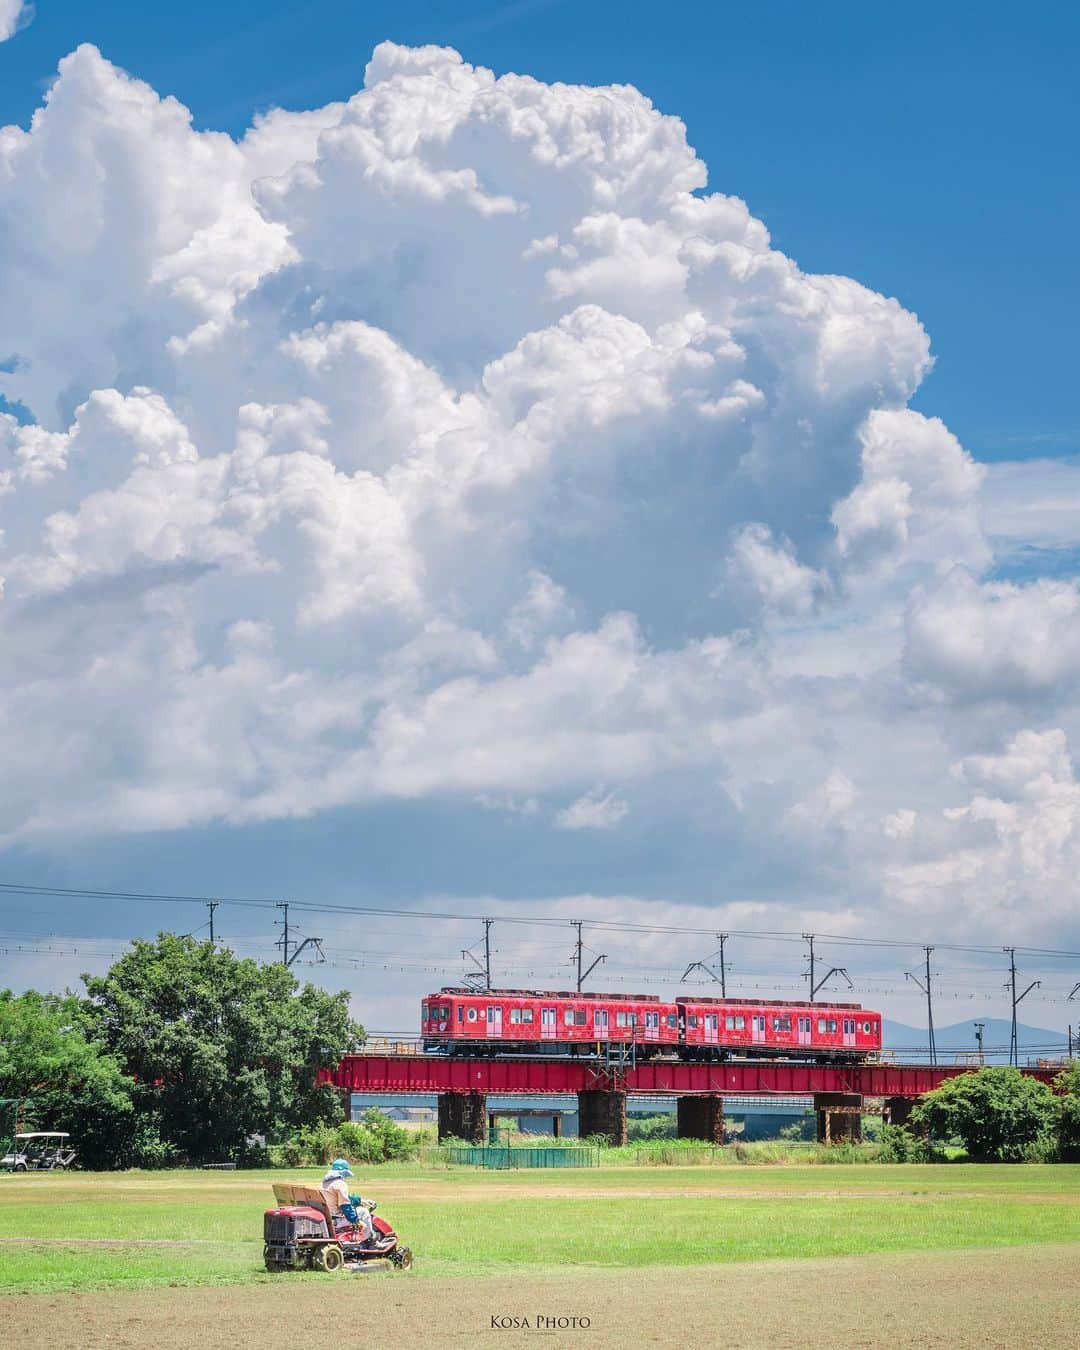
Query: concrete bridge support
{"points": [[463, 1115], [603, 1113], [700, 1118], [839, 1117]]}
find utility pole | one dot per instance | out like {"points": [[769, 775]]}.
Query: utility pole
{"points": [[283, 941], [980, 1028], [810, 938], [578, 950], [817, 985], [211, 905], [485, 969], [704, 966], [929, 1002], [1014, 1057]]}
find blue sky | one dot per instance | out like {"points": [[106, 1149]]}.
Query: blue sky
{"points": [[589, 556]]}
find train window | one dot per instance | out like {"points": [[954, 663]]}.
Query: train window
{"points": [[821, 1026], [444, 1013], [424, 1011], [515, 1014], [672, 1020], [729, 1022], [691, 1021], [868, 1027], [472, 1014], [568, 1016], [620, 1019], [781, 1024], [826, 1026], [526, 1014], [740, 1023], [460, 1013], [579, 1017]]}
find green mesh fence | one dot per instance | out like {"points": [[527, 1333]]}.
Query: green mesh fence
{"points": [[510, 1156]]}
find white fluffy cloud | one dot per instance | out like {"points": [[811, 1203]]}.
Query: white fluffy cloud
{"points": [[995, 639], [14, 14], [594, 810], [1011, 853], [454, 441]]}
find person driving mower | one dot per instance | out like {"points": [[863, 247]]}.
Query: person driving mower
{"points": [[351, 1211]]}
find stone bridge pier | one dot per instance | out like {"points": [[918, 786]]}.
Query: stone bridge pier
{"points": [[601, 1112], [700, 1117], [463, 1115]]}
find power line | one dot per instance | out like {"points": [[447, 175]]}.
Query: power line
{"points": [[768, 935]]}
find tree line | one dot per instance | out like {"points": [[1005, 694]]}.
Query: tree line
{"points": [[180, 1053]]}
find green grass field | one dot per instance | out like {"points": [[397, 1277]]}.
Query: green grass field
{"points": [[459, 1221]]}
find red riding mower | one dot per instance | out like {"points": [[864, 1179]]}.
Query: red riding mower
{"points": [[300, 1234]]}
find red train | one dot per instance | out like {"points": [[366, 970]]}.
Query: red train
{"points": [[459, 1021]]}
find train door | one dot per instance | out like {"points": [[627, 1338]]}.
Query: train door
{"points": [[849, 1031], [547, 1024], [494, 1021], [600, 1023], [652, 1026], [805, 1035], [757, 1023], [712, 1028]]}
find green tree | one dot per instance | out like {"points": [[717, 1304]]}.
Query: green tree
{"points": [[1068, 1112], [997, 1113], [50, 1062], [220, 1048]]}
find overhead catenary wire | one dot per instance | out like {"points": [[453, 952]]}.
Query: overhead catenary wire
{"points": [[613, 925]]}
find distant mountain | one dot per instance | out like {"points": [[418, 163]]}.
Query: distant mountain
{"points": [[958, 1039]]}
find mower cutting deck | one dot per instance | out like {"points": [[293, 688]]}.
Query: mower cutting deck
{"points": [[301, 1234]]}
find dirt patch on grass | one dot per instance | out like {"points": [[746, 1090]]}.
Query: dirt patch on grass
{"points": [[1018, 1298]]}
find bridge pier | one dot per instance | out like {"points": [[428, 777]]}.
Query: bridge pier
{"points": [[700, 1118], [898, 1110], [603, 1113], [463, 1115], [839, 1117]]}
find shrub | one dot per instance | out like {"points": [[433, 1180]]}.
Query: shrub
{"points": [[997, 1113], [375, 1139], [899, 1145], [1068, 1113], [644, 1128]]}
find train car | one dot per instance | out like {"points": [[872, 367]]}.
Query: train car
{"points": [[719, 1028], [462, 1021], [459, 1021]]}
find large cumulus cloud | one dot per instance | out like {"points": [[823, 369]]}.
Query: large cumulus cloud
{"points": [[457, 440]]}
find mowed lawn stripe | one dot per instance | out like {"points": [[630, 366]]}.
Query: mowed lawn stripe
{"points": [[463, 1222]]}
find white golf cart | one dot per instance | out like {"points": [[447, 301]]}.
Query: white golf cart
{"points": [[39, 1151]]}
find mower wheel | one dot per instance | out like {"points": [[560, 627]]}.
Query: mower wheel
{"points": [[330, 1258], [401, 1258]]}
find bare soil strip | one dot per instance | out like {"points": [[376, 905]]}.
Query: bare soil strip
{"points": [[1019, 1298]]}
